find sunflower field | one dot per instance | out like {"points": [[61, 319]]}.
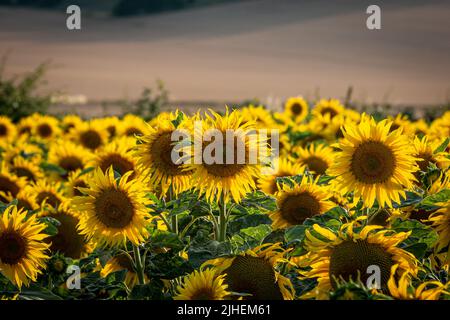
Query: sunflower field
{"points": [[357, 208]]}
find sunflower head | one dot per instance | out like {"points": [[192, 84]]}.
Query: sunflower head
{"points": [[206, 284], [47, 194], [333, 107], [68, 156], [284, 167], [374, 163], [254, 273], [122, 261], [10, 184], [112, 210], [46, 128], [7, 129], [27, 169], [351, 254], [317, 158], [297, 202], [154, 156], [296, 108], [90, 135], [132, 126], [22, 249]]}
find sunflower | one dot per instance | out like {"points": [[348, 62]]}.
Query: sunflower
{"points": [[68, 241], [69, 156], [420, 127], [202, 285], [10, 184], [401, 121], [374, 163], [7, 129], [90, 135], [75, 180], [111, 211], [117, 154], [441, 223], [440, 127], [403, 289], [284, 167], [25, 168], [154, 157], [298, 202], [22, 250], [333, 107], [426, 155], [317, 157], [22, 148], [348, 254], [296, 108], [224, 180], [47, 193], [70, 121], [132, 126], [255, 273], [120, 262], [25, 200], [46, 127], [26, 125], [259, 115], [112, 125]]}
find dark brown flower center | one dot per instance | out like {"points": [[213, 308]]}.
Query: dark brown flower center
{"points": [[12, 247], [236, 163], [67, 241], [8, 186], [119, 163], [295, 209], [316, 164], [351, 259], [161, 150], [44, 130], [91, 139], [71, 163], [329, 110], [3, 130], [132, 131], [49, 197], [296, 109], [23, 172], [114, 209], [373, 162], [255, 276]]}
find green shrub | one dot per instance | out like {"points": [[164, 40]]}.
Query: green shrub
{"points": [[18, 96]]}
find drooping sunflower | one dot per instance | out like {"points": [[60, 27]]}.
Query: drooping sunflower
{"points": [[26, 168], [22, 249], [69, 156], [46, 127], [212, 175], [317, 158], [348, 254], [111, 211], [7, 129], [154, 157], [68, 241], [117, 154], [284, 167], [298, 202], [404, 289], [374, 163], [90, 135], [10, 184], [47, 193], [120, 262], [255, 273], [296, 108], [333, 107], [441, 223], [206, 284]]}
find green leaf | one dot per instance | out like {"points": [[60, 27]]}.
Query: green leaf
{"points": [[420, 233], [432, 200], [411, 199], [295, 234], [53, 168], [247, 221], [178, 120], [52, 225], [443, 146]]}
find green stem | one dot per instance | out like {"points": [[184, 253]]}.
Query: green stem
{"points": [[138, 264], [174, 218], [222, 220]]}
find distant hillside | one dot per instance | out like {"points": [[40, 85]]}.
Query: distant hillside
{"points": [[117, 7]]}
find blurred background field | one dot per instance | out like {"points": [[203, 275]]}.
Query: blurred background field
{"points": [[209, 53]]}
